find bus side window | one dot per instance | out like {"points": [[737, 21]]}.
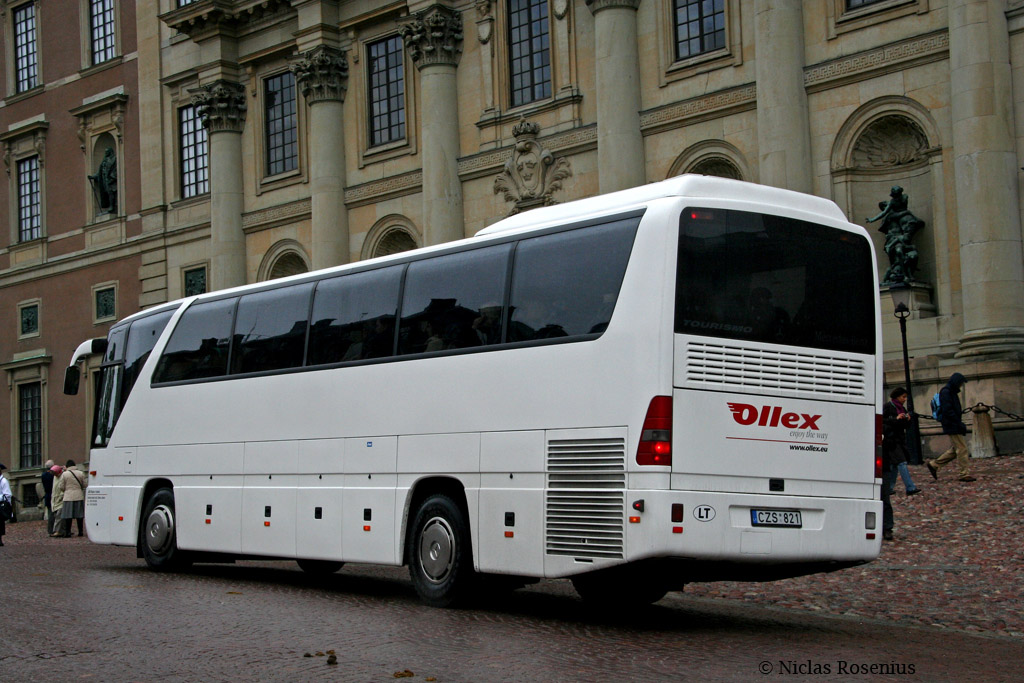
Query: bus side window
{"points": [[141, 340], [566, 284], [270, 330], [454, 301], [198, 347], [354, 317]]}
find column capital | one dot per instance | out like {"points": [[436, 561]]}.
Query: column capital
{"points": [[434, 36], [322, 74], [221, 106], [598, 5]]}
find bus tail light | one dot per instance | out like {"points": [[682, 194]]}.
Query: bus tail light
{"points": [[878, 446], [656, 436]]}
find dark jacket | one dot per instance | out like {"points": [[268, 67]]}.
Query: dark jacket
{"points": [[950, 411], [894, 436], [47, 487]]}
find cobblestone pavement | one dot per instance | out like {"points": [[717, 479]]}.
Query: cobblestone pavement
{"points": [[957, 561], [77, 611]]}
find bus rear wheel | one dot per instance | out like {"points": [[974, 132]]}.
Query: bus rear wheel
{"points": [[158, 538], [319, 567], [440, 562]]}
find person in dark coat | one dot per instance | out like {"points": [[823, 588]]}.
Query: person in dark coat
{"points": [[47, 495], [895, 421], [951, 415]]}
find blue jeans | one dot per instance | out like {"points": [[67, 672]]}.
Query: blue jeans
{"points": [[908, 483]]}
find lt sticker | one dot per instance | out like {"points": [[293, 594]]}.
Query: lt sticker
{"points": [[704, 513]]}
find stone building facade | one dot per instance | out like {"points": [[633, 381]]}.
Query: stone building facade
{"points": [[69, 256], [278, 136]]}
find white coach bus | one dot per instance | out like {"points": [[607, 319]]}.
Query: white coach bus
{"points": [[663, 385]]}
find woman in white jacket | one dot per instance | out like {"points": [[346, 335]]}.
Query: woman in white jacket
{"points": [[74, 482]]}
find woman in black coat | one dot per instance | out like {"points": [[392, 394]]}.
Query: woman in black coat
{"points": [[895, 421]]}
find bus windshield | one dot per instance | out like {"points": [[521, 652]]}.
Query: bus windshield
{"points": [[127, 351], [769, 279]]}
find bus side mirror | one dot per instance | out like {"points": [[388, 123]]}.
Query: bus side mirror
{"points": [[71, 375]]}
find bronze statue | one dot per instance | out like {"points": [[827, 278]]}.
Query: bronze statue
{"points": [[899, 226], [104, 183]]}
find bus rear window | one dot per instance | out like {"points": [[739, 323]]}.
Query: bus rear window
{"points": [[775, 280]]}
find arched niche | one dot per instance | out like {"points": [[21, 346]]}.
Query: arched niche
{"points": [[392, 234], [894, 141], [104, 176], [714, 158], [285, 258]]}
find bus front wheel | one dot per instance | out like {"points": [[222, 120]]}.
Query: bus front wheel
{"points": [[158, 538], [439, 556]]}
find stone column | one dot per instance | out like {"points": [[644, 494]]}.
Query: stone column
{"points": [[434, 38], [991, 260], [620, 146], [322, 75], [783, 129], [221, 107]]}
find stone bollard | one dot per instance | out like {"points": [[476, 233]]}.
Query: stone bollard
{"points": [[983, 438]]}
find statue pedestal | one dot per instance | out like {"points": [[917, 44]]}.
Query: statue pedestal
{"points": [[921, 305]]}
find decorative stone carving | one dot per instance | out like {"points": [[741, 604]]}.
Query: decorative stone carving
{"points": [[221, 106], [322, 74], [560, 8], [434, 36], [899, 227], [485, 21], [890, 141], [598, 5], [533, 174], [23, 141], [201, 20]]}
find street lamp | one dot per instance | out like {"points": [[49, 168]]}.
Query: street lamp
{"points": [[901, 298]]}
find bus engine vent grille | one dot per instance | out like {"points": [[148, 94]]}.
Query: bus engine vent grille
{"points": [[736, 367], [585, 497]]}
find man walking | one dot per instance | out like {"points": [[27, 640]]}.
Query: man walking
{"points": [[950, 412]]}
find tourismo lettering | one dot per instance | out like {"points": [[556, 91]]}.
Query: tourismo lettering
{"points": [[772, 416]]}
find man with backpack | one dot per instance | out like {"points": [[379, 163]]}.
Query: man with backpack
{"points": [[950, 413]]}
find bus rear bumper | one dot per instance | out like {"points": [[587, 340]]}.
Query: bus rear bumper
{"points": [[756, 537]]}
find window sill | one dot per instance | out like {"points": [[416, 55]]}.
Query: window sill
{"points": [[191, 201], [560, 99], [698, 64], [18, 97], [274, 182], [386, 151], [869, 15], [102, 66]]}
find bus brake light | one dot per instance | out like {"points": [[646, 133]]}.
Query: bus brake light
{"points": [[878, 447], [656, 436]]}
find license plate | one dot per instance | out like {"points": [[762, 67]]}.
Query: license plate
{"points": [[791, 518]]}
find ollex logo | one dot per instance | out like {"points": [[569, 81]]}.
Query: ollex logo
{"points": [[772, 416]]}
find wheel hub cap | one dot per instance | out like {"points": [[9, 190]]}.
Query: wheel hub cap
{"points": [[437, 544], [159, 529]]}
